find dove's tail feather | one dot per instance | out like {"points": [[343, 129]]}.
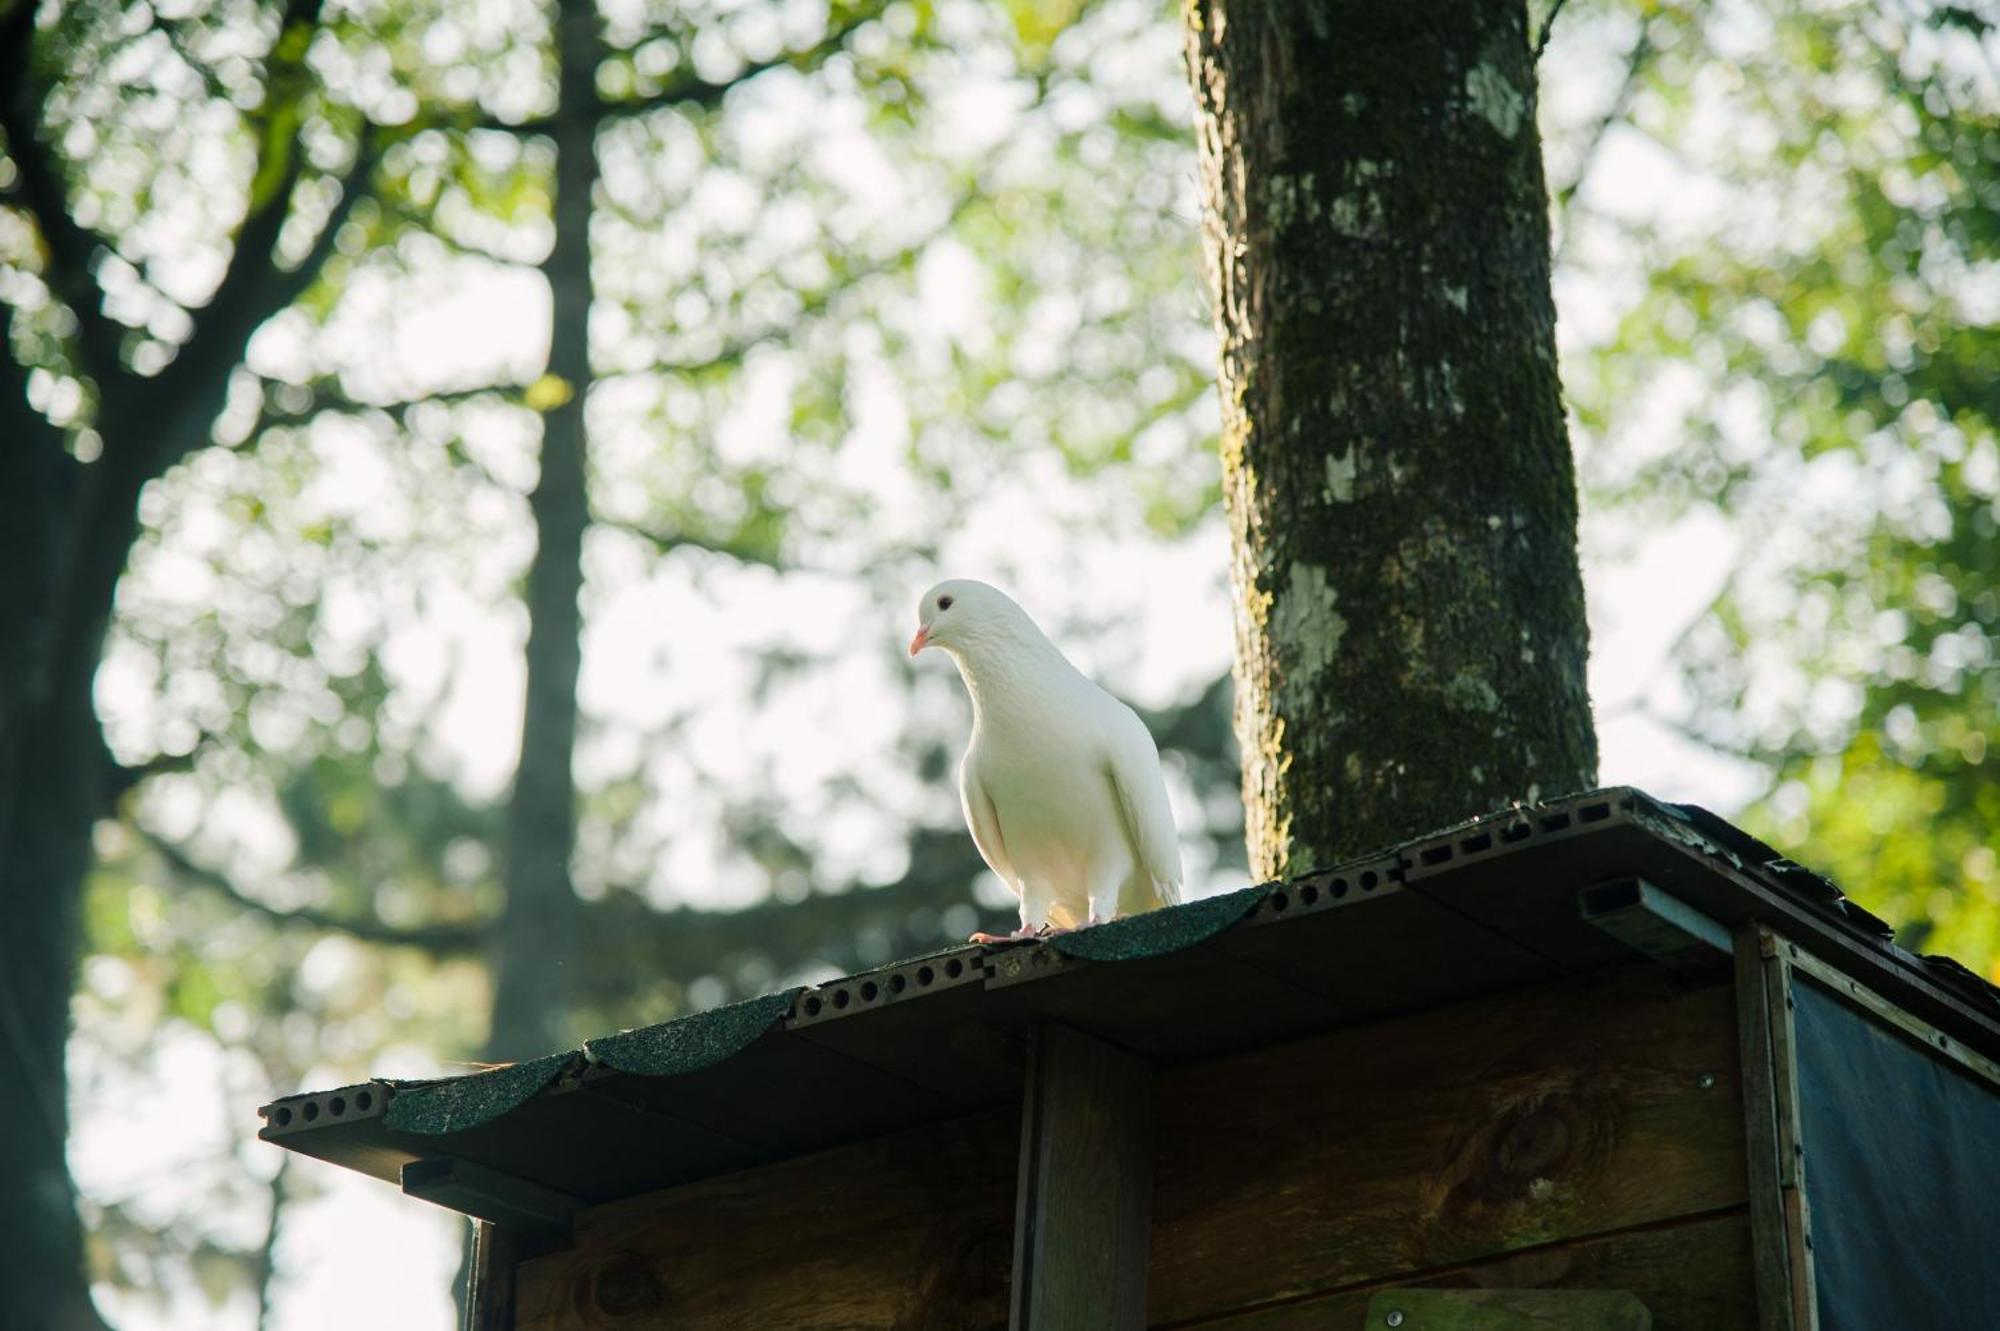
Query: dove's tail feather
{"points": [[1142, 892]]}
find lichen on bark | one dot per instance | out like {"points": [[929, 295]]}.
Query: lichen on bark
{"points": [[1401, 499]]}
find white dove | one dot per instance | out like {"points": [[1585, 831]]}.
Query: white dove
{"points": [[1061, 781]]}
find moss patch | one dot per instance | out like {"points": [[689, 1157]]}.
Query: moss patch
{"points": [[691, 1043], [466, 1102], [1159, 932]]}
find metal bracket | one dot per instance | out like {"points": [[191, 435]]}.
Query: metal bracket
{"points": [[1019, 963], [475, 1190], [1661, 926]]}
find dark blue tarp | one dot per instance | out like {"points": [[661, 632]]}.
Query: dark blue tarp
{"points": [[1902, 1171]]}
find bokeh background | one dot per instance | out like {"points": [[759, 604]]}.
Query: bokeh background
{"points": [[877, 292]]}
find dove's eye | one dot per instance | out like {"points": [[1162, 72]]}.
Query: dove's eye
{"points": [[944, 603]]}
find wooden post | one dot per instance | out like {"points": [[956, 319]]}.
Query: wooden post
{"points": [[1781, 1248], [1791, 1152], [1083, 1210], [489, 1293]]}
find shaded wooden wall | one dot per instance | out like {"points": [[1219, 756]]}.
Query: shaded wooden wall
{"points": [[1585, 1135]]}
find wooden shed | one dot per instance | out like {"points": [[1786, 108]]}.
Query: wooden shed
{"points": [[1605, 1062]]}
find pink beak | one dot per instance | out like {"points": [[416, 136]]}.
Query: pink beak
{"points": [[922, 640]]}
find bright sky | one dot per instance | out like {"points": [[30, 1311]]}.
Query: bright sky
{"points": [[357, 1247]]}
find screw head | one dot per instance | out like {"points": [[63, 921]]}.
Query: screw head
{"points": [[1395, 1317], [1706, 1081]]}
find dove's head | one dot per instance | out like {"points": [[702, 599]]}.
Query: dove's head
{"points": [[961, 615]]}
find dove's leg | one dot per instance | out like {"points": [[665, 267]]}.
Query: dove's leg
{"points": [[1045, 911], [1017, 936], [1034, 919], [1064, 914]]}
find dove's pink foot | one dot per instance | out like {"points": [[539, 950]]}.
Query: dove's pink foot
{"points": [[1020, 935]]}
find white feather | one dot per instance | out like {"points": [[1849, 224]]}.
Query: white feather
{"points": [[1061, 782], [1149, 819]]}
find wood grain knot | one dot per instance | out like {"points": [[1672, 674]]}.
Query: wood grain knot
{"points": [[1517, 1156], [1534, 1146], [625, 1285]]}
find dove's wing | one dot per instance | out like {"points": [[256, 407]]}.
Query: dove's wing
{"points": [[1142, 799], [985, 824]]}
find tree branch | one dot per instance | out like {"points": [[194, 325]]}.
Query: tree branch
{"points": [[427, 224], [851, 930], [122, 777], [253, 288], [327, 395], [628, 936], [171, 29], [1620, 108], [264, 1266], [40, 188], [440, 938], [1541, 41], [690, 89], [811, 306], [1689, 729], [667, 542]]}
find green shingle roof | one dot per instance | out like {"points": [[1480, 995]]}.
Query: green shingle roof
{"points": [[1484, 907]]}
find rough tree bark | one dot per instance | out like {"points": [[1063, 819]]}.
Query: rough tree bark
{"points": [[538, 940], [1396, 469]]}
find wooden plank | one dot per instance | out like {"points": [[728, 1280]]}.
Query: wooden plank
{"points": [[1083, 1214], [1769, 1243], [1692, 1276], [1791, 1149], [909, 1231], [489, 1290], [1582, 1107], [1507, 1310]]}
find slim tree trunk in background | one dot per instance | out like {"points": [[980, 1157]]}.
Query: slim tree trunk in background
{"points": [[540, 934], [1402, 504]]}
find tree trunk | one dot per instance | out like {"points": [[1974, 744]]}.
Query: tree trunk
{"points": [[41, 1262], [66, 530], [1402, 504], [540, 934], [55, 599], [42, 842]]}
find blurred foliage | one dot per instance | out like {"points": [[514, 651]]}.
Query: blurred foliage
{"points": [[882, 287], [1819, 353], [864, 275]]}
